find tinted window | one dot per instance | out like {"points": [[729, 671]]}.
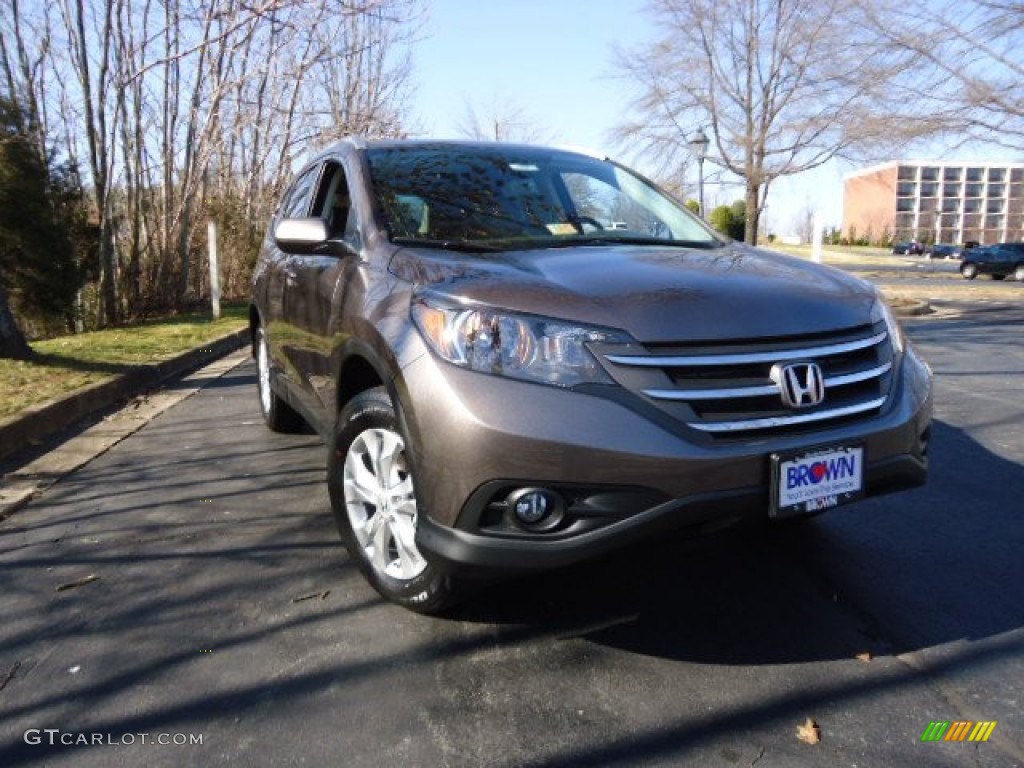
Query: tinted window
{"points": [[531, 196], [296, 203], [333, 202]]}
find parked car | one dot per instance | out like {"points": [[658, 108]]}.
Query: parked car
{"points": [[997, 260], [944, 251], [504, 384], [913, 248]]}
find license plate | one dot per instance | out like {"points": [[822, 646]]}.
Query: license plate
{"points": [[816, 480]]}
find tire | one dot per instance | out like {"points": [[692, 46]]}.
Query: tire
{"points": [[969, 271], [373, 498], [1018, 273], [277, 414]]}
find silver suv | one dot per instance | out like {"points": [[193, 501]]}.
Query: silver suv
{"points": [[521, 356]]}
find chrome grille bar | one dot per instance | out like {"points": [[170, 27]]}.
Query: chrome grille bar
{"points": [[770, 356], [761, 391], [785, 421]]}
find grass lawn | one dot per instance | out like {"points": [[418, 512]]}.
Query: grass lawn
{"points": [[70, 362], [840, 255]]}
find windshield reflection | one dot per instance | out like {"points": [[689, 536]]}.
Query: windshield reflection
{"points": [[504, 197]]}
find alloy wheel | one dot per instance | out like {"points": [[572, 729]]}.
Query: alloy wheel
{"points": [[381, 503]]}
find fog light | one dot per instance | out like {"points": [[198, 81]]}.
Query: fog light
{"points": [[535, 508]]}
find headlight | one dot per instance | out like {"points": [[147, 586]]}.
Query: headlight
{"points": [[882, 311], [507, 344]]}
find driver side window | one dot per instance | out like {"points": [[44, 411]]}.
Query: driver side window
{"points": [[334, 203], [296, 205]]}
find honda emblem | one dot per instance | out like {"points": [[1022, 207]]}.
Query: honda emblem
{"points": [[801, 385]]}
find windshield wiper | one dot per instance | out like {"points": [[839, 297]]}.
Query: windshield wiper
{"points": [[462, 246], [571, 242]]}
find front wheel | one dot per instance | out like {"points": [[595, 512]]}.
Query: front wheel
{"points": [[969, 271], [1018, 273], [373, 498]]}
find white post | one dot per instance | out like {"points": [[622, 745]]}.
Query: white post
{"points": [[818, 231], [211, 240]]}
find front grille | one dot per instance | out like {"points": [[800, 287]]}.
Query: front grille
{"points": [[728, 391]]}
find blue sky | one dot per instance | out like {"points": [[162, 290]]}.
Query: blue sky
{"points": [[550, 59]]}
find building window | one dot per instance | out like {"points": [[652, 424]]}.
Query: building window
{"points": [[904, 204], [974, 190], [1017, 174], [951, 190], [994, 206], [906, 189], [996, 190], [929, 173], [929, 189], [997, 174], [975, 174], [951, 174], [907, 173]]}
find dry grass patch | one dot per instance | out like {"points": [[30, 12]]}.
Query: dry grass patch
{"points": [[68, 363]]}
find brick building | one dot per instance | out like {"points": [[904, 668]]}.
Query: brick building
{"points": [[936, 202]]}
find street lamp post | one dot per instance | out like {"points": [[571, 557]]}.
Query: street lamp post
{"points": [[700, 142]]}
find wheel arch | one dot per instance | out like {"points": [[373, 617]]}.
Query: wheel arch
{"points": [[361, 367], [358, 371]]}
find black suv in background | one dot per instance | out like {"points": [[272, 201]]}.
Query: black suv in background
{"points": [[999, 261], [521, 356]]}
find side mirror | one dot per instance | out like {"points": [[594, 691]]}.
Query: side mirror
{"points": [[300, 235]]}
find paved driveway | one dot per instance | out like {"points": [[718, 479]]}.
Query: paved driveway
{"points": [[188, 586]]}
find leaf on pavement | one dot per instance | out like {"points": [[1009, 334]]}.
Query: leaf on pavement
{"points": [[809, 732]]}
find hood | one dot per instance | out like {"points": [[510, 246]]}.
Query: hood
{"points": [[654, 293]]}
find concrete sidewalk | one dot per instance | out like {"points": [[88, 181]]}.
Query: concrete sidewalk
{"points": [[129, 400]]}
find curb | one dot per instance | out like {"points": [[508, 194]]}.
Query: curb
{"points": [[39, 422]]}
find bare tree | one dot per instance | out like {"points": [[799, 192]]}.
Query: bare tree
{"points": [[499, 121], [184, 109], [782, 86], [971, 55]]}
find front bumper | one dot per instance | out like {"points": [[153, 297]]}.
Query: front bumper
{"points": [[476, 437]]}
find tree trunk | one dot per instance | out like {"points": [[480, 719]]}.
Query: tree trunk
{"points": [[12, 342], [753, 204]]}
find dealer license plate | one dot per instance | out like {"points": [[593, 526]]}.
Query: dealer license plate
{"points": [[816, 480]]}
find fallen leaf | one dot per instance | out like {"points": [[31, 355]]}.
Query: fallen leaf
{"points": [[809, 732]]}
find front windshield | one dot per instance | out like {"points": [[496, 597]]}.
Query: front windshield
{"points": [[520, 197]]}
